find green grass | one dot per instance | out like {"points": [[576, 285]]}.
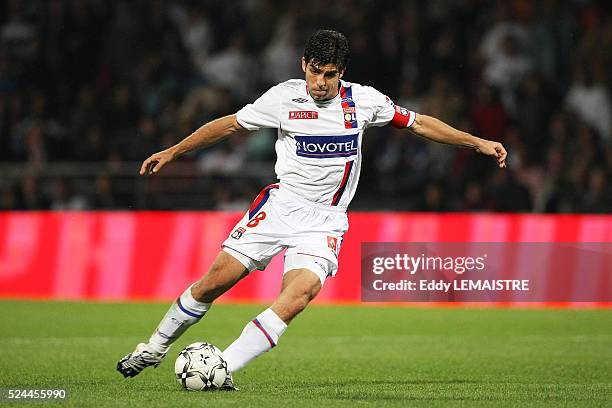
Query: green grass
{"points": [[330, 356]]}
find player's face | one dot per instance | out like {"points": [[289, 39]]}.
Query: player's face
{"points": [[322, 80]]}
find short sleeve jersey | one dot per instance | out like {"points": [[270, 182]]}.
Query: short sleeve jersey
{"points": [[319, 143]]}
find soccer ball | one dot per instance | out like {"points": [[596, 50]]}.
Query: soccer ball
{"points": [[200, 366]]}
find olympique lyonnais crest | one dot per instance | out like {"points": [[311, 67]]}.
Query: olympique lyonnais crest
{"points": [[349, 113], [237, 234]]}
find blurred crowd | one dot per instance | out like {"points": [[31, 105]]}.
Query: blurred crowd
{"points": [[110, 82]]}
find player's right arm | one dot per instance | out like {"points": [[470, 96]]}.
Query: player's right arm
{"points": [[206, 135]]}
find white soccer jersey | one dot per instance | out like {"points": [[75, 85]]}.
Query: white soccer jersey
{"points": [[319, 143]]}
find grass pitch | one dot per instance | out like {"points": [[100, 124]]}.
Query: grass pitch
{"points": [[330, 356]]}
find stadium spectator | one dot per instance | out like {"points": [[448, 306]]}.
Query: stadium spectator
{"points": [[230, 67], [487, 114], [588, 98], [80, 83], [30, 196], [63, 197]]}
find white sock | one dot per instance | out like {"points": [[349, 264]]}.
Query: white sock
{"points": [[258, 336], [183, 313]]}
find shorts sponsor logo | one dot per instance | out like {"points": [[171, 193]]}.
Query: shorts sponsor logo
{"points": [[322, 147], [237, 234], [303, 115], [332, 243]]}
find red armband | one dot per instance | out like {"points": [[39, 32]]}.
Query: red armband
{"points": [[403, 118]]}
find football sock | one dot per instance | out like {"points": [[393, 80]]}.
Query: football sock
{"points": [[183, 313], [258, 336]]}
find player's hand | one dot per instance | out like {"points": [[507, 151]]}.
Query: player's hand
{"points": [[156, 161], [494, 149]]}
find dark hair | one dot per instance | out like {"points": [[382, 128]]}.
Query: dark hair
{"points": [[327, 47]]}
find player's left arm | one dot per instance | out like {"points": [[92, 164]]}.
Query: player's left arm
{"points": [[434, 129]]}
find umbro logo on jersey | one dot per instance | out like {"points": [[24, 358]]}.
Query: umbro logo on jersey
{"points": [[300, 100], [303, 115]]}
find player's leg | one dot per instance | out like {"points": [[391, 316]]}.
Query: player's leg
{"points": [[299, 287], [187, 310], [195, 301]]}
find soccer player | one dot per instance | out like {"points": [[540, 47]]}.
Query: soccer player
{"points": [[320, 122]]}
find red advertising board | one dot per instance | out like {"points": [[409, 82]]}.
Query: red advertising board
{"points": [[155, 255]]}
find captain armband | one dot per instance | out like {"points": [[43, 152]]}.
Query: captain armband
{"points": [[403, 118]]}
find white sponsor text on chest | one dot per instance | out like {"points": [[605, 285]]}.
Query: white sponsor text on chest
{"points": [[331, 147]]}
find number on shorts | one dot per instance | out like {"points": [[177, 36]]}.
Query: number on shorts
{"points": [[255, 221]]}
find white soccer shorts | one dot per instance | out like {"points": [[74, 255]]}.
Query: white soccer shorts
{"points": [[277, 220]]}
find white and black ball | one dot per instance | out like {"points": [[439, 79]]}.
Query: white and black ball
{"points": [[200, 367]]}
